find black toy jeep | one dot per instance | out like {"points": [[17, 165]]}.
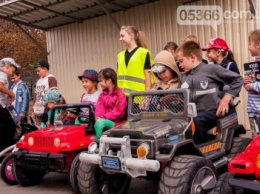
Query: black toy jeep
{"points": [[157, 143]]}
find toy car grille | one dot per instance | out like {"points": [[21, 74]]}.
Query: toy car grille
{"points": [[174, 103], [43, 142]]}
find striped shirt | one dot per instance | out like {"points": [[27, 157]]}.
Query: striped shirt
{"points": [[253, 104]]}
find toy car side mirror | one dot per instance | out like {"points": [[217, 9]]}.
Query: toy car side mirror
{"points": [[192, 110]]}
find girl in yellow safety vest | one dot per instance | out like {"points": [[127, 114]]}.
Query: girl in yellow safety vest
{"points": [[134, 63]]}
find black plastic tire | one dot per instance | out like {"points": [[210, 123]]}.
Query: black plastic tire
{"points": [[186, 173], [222, 185], [27, 177], [73, 174], [93, 180], [238, 146], [7, 172]]}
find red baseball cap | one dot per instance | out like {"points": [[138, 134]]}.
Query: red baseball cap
{"points": [[218, 43]]}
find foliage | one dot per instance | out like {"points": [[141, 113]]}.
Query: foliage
{"points": [[15, 43]]}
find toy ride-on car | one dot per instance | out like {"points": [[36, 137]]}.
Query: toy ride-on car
{"points": [[156, 143], [55, 148], [245, 168], [6, 155]]}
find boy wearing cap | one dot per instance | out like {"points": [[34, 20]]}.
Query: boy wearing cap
{"points": [[167, 74], [45, 82], [166, 71], [89, 80], [7, 68], [203, 81]]}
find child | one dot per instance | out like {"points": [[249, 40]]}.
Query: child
{"points": [[167, 74], [253, 88], [7, 125], [111, 103], [21, 102], [171, 47], [89, 80], [50, 99], [166, 71], [194, 38], [45, 82], [219, 53], [203, 81]]}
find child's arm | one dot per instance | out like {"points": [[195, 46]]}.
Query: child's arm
{"points": [[223, 105], [255, 86], [6, 91], [100, 107], [118, 110]]}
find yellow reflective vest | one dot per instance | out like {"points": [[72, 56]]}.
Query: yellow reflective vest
{"points": [[131, 78]]}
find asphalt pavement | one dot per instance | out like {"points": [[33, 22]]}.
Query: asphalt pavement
{"points": [[56, 183]]}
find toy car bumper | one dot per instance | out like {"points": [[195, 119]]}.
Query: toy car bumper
{"points": [[245, 184], [121, 161], [40, 160]]}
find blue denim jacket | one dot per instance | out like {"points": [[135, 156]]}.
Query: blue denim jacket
{"points": [[22, 98]]}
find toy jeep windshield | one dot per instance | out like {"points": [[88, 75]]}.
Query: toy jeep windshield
{"points": [[56, 147], [157, 143]]}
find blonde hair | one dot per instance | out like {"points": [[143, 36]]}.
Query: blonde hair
{"points": [[191, 37], [139, 36], [254, 35]]}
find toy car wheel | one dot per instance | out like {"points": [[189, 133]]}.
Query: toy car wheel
{"points": [[27, 177], [73, 174], [93, 180], [6, 170], [239, 145], [223, 186], [188, 174]]}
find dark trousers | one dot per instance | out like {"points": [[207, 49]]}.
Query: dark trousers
{"points": [[7, 127], [24, 120], [204, 122]]}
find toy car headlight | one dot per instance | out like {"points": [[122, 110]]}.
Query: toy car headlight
{"points": [[92, 147], [30, 141], [56, 142], [143, 150], [258, 161]]}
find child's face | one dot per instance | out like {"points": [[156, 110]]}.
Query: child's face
{"points": [[104, 84], [254, 48], [89, 85], [42, 72], [125, 37], [185, 63], [51, 104], [213, 54], [166, 75], [15, 78]]}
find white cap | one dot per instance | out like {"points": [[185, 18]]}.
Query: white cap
{"points": [[158, 68], [9, 60]]}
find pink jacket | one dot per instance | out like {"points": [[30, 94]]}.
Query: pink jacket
{"points": [[111, 105]]}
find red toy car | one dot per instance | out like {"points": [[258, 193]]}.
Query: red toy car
{"points": [[246, 168], [55, 148]]}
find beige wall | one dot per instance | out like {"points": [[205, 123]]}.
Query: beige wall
{"points": [[95, 43]]}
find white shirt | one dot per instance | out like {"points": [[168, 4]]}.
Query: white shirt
{"points": [[4, 80]]}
